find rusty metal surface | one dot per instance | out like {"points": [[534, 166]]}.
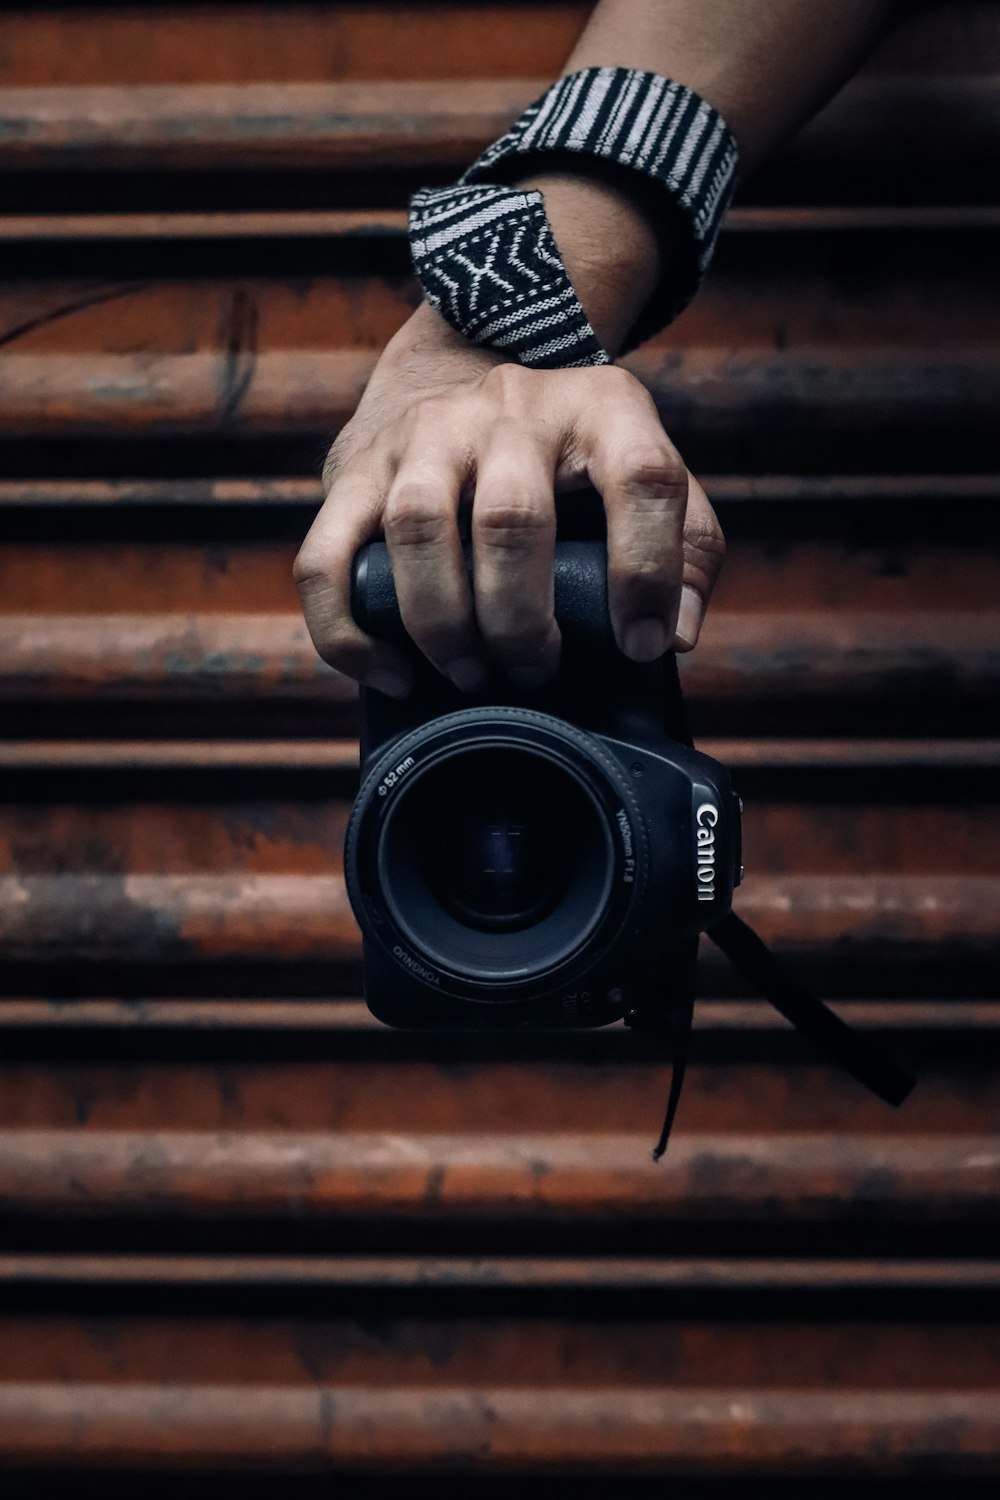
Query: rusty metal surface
{"points": [[487, 1273], [342, 755], [282, 1015], [276, 225], [378, 39], [352, 41], [818, 343], [877, 123], [379, 1090], [242, 1226], [732, 1179], [818, 491], [481, 1430], [220, 657], [130, 917]]}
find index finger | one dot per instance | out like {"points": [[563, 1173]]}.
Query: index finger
{"points": [[348, 518]]}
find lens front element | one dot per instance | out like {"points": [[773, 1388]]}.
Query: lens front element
{"points": [[487, 853]]}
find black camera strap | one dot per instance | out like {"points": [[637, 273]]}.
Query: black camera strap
{"points": [[858, 1055]]}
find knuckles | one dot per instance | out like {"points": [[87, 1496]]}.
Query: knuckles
{"points": [[514, 521], [653, 474], [309, 566], [416, 514], [509, 384], [339, 652]]}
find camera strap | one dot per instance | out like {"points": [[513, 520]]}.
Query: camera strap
{"points": [[858, 1055]]}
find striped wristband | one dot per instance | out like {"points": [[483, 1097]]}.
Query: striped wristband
{"points": [[485, 253]]}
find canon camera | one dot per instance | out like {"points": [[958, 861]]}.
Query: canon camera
{"points": [[541, 860]]}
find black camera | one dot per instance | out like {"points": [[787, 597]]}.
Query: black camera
{"points": [[534, 859]]}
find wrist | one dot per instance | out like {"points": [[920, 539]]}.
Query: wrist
{"points": [[429, 337], [605, 233]]}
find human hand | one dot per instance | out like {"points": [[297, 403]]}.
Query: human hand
{"points": [[448, 436]]}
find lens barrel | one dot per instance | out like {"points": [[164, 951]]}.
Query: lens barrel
{"points": [[494, 852]]}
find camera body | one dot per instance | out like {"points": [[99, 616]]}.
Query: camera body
{"points": [[539, 860]]}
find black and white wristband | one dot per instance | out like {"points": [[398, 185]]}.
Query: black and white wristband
{"points": [[485, 253]]}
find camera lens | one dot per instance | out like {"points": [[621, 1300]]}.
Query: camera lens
{"points": [[505, 860], [496, 862]]}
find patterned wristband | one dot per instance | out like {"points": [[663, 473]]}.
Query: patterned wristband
{"points": [[489, 264], [486, 256]]}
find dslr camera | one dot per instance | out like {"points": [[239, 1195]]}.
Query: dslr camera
{"points": [[540, 860]]}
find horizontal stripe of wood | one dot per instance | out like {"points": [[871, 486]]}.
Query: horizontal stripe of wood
{"points": [[494, 1432], [278, 756], [586, 1178], [876, 122], [496, 1272], [283, 1015], [811, 653], [725, 489]]}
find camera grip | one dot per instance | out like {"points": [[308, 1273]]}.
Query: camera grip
{"points": [[581, 595]]}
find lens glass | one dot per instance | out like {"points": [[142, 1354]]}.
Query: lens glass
{"points": [[496, 861], [505, 857]]}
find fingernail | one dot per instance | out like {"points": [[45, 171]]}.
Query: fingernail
{"points": [[645, 640], [384, 680], [467, 673], [689, 618]]}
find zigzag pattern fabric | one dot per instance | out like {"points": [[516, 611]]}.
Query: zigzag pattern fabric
{"points": [[488, 262], [486, 256]]}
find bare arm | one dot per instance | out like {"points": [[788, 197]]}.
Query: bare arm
{"points": [[444, 424], [766, 66]]}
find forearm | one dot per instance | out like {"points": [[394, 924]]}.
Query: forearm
{"points": [[766, 65]]}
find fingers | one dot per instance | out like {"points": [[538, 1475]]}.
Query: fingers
{"points": [[421, 531], [513, 539], [513, 439], [704, 554], [644, 483], [322, 571]]}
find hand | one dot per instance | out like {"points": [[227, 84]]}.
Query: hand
{"points": [[448, 434]]}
